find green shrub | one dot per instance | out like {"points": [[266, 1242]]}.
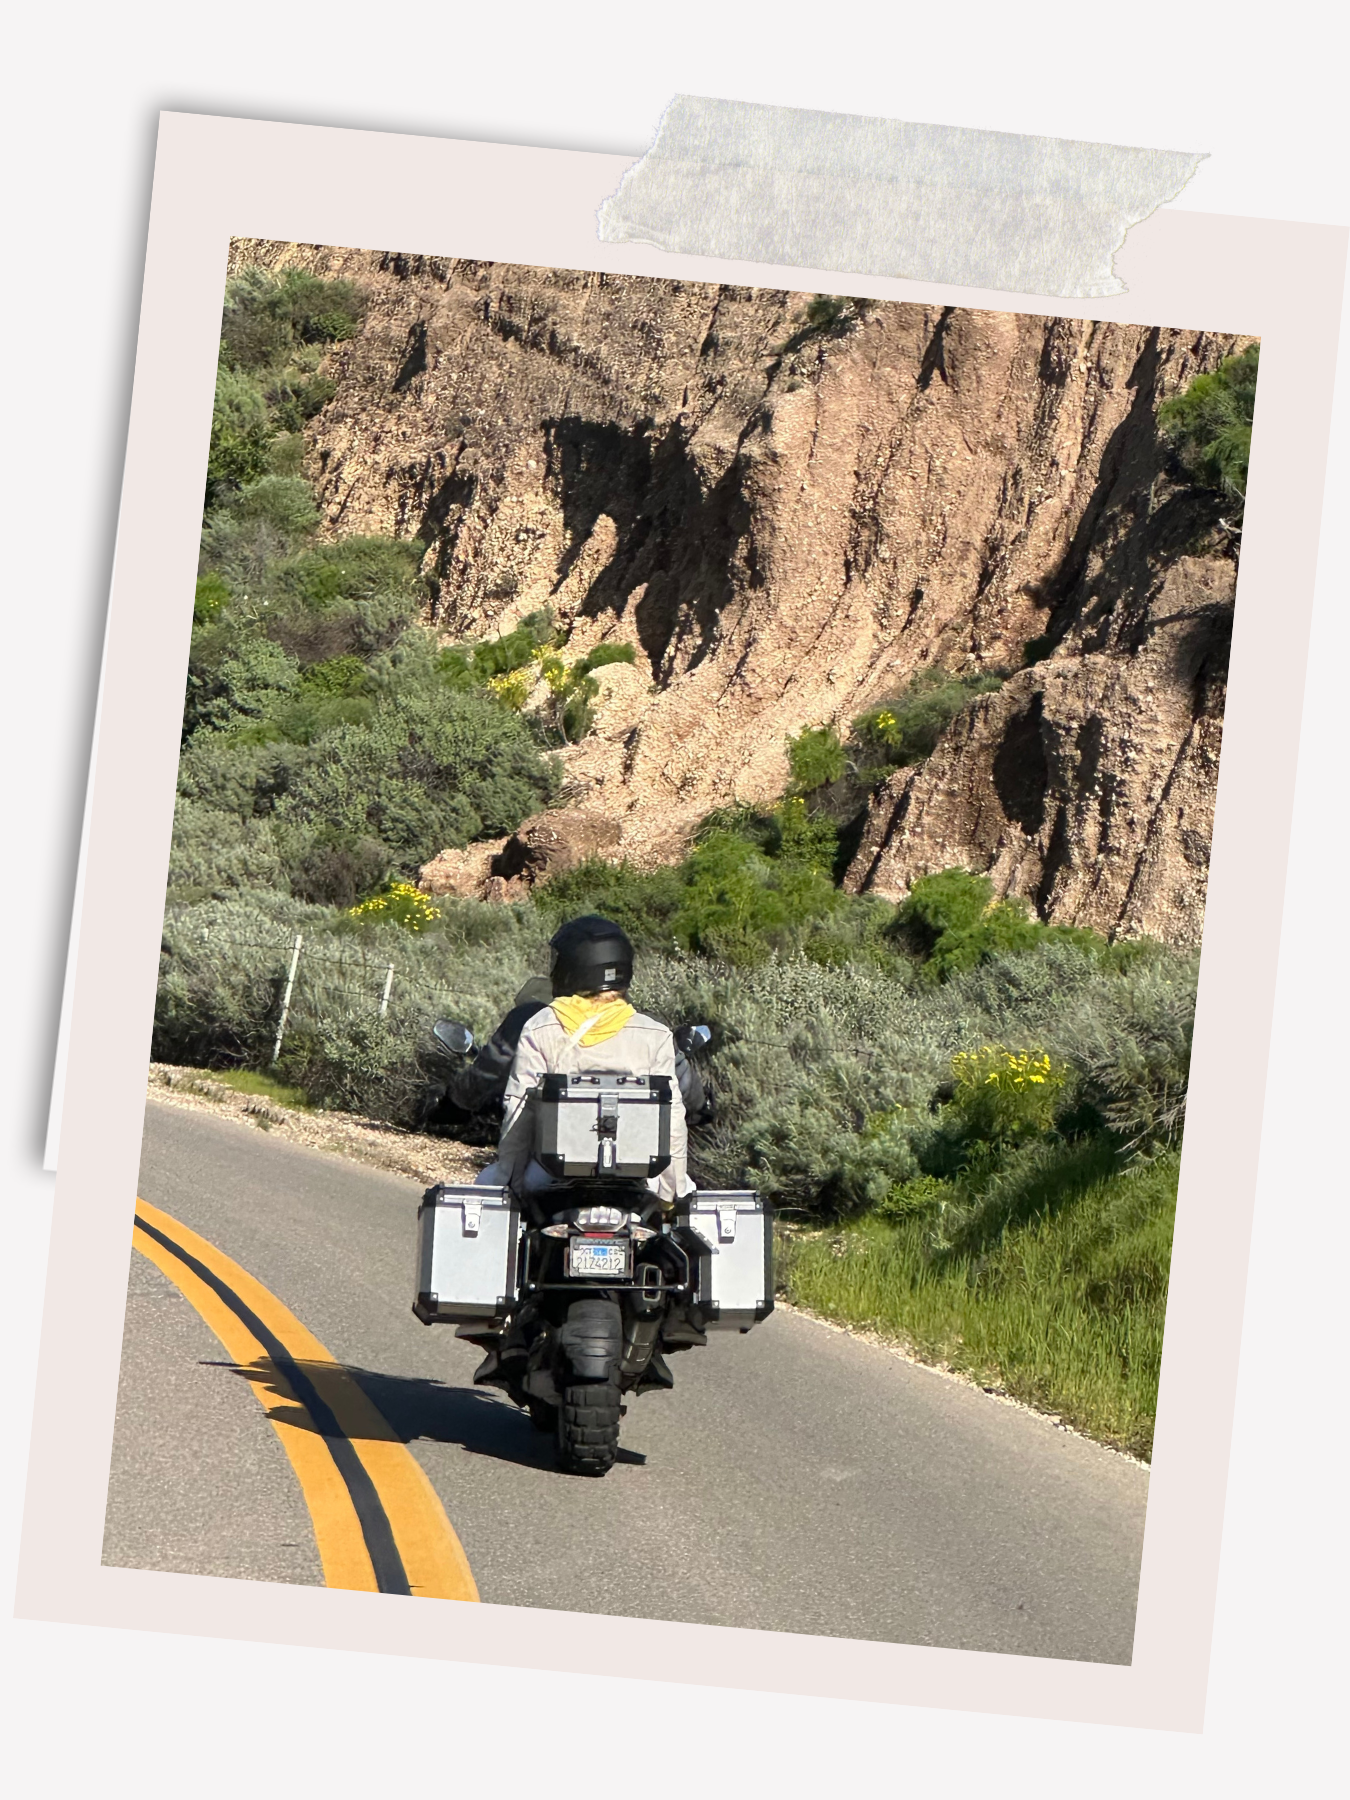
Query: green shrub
{"points": [[793, 831], [286, 453], [293, 399], [513, 650], [902, 731], [233, 773], [224, 964], [354, 569], [307, 716], [577, 715], [282, 501], [605, 654], [265, 523], [1134, 1061], [330, 868], [378, 630], [740, 905], [267, 317], [339, 677], [241, 431], [827, 315], [273, 331], [1004, 1095], [325, 695], [424, 775], [728, 900], [399, 903], [825, 311], [815, 757], [242, 683], [212, 595], [643, 902], [912, 1198], [953, 922], [215, 852], [1210, 423], [805, 837]]}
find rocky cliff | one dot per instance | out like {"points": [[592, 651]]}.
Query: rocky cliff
{"points": [[786, 509]]}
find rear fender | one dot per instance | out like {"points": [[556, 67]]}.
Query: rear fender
{"points": [[590, 1340]]}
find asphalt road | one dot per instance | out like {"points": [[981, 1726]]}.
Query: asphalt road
{"points": [[795, 1480]]}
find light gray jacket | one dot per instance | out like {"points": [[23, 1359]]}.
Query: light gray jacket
{"points": [[642, 1046]]}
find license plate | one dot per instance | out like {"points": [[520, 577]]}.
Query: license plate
{"points": [[598, 1257]]}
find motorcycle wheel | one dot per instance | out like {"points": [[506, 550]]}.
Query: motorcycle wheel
{"points": [[588, 1428]]}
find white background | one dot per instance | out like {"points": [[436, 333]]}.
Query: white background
{"points": [[1260, 89]]}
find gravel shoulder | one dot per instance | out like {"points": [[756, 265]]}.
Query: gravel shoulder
{"points": [[373, 1141]]}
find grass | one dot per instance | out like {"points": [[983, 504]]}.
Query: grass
{"points": [[250, 1081], [1062, 1309]]}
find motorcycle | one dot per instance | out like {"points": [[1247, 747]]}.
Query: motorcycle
{"points": [[579, 1290]]}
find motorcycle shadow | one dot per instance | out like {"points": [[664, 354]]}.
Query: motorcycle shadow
{"points": [[410, 1407], [477, 1419]]}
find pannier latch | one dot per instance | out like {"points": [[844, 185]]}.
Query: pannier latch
{"points": [[473, 1217], [726, 1222], [607, 1130]]}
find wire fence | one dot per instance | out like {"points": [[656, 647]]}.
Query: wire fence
{"points": [[371, 979], [370, 969]]}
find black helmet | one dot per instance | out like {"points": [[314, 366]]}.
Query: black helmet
{"points": [[589, 955]]}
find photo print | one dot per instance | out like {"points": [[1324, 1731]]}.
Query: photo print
{"points": [[864, 663]]}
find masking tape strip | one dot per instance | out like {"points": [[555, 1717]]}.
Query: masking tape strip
{"points": [[988, 209]]}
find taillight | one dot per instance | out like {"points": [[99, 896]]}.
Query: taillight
{"points": [[600, 1218]]}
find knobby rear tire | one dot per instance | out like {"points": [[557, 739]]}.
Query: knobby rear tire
{"points": [[588, 1428]]}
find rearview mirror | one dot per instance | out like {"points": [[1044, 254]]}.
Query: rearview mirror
{"points": [[693, 1037], [455, 1038]]}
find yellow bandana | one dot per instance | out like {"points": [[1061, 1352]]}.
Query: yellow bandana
{"points": [[607, 1012]]}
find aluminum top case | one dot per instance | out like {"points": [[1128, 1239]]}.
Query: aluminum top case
{"points": [[468, 1246], [602, 1123], [735, 1270]]}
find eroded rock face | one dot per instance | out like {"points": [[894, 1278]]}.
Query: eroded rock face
{"points": [[786, 523], [1087, 782], [460, 874], [506, 868]]}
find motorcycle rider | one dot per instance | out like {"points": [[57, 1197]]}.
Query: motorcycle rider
{"points": [[481, 1084], [588, 1025]]}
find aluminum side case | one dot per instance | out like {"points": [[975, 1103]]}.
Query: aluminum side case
{"points": [[468, 1248], [735, 1269]]}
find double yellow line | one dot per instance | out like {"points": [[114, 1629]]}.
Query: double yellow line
{"points": [[378, 1522]]}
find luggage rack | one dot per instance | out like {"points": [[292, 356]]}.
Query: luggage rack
{"points": [[655, 1290]]}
